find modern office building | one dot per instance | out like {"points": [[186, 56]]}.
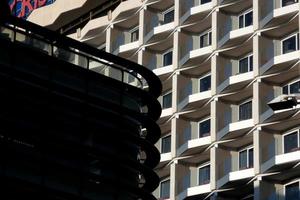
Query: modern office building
{"points": [[220, 62], [72, 125]]}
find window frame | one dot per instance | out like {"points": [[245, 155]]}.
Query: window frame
{"points": [[163, 57], [160, 183], [199, 81], [288, 37], [289, 133], [288, 85], [247, 149], [198, 173], [136, 28], [203, 3], [209, 33], [244, 102], [203, 120], [166, 93], [161, 143], [290, 183], [248, 58], [244, 18], [172, 8]]}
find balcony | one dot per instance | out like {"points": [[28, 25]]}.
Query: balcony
{"points": [[195, 137], [194, 92], [158, 26], [164, 145], [236, 28], [275, 12], [195, 48], [195, 182], [235, 74], [279, 55], [192, 11], [234, 167]]}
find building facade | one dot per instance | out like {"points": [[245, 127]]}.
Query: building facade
{"points": [[220, 63]]}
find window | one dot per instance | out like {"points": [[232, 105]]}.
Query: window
{"points": [[204, 175], [288, 2], [167, 100], [291, 88], [245, 111], [169, 16], [205, 39], [246, 158], [165, 189], [168, 58], [290, 44], [291, 141], [205, 83], [246, 19], [292, 191], [166, 144], [246, 64], [204, 1], [204, 128], [134, 34]]}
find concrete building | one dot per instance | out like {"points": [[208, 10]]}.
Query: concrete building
{"points": [[220, 63]]}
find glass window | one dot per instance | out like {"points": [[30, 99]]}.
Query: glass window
{"points": [[165, 189], [246, 19], [204, 175], [204, 1], [204, 128], [245, 111], [289, 45], [292, 191], [295, 88], [166, 144], [168, 58], [246, 64], [135, 35], [169, 17], [205, 39], [167, 100], [285, 90], [288, 2], [205, 83], [290, 142], [246, 159]]}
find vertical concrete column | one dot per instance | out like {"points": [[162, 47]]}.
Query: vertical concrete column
{"points": [[213, 120], [214, 74], [108, 38], [256, 102], [174, 136], [256, 151], [214, 29], [141, 26], [176, 12], [256, 14], [213, 168], [173, 180], [256, 55], [257, 189]]}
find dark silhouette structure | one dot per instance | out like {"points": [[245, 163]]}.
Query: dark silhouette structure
{"points": [[71, 125]]}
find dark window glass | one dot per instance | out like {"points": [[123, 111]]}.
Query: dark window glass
{"points": [[243, 65], [167, 100], [205, 40], [165, 189], [251, 63], [288, 2], [169, 17], [168, 58], [249, 19], [285, 89], [205, 84], [135, 35], [250, 158], [295, 88], [204, 128], [243, 159], [241, 21], [290, 142], [166, 144], [205, 1], [245, 111], [289, 45], [204, 175], [292, 191]]}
